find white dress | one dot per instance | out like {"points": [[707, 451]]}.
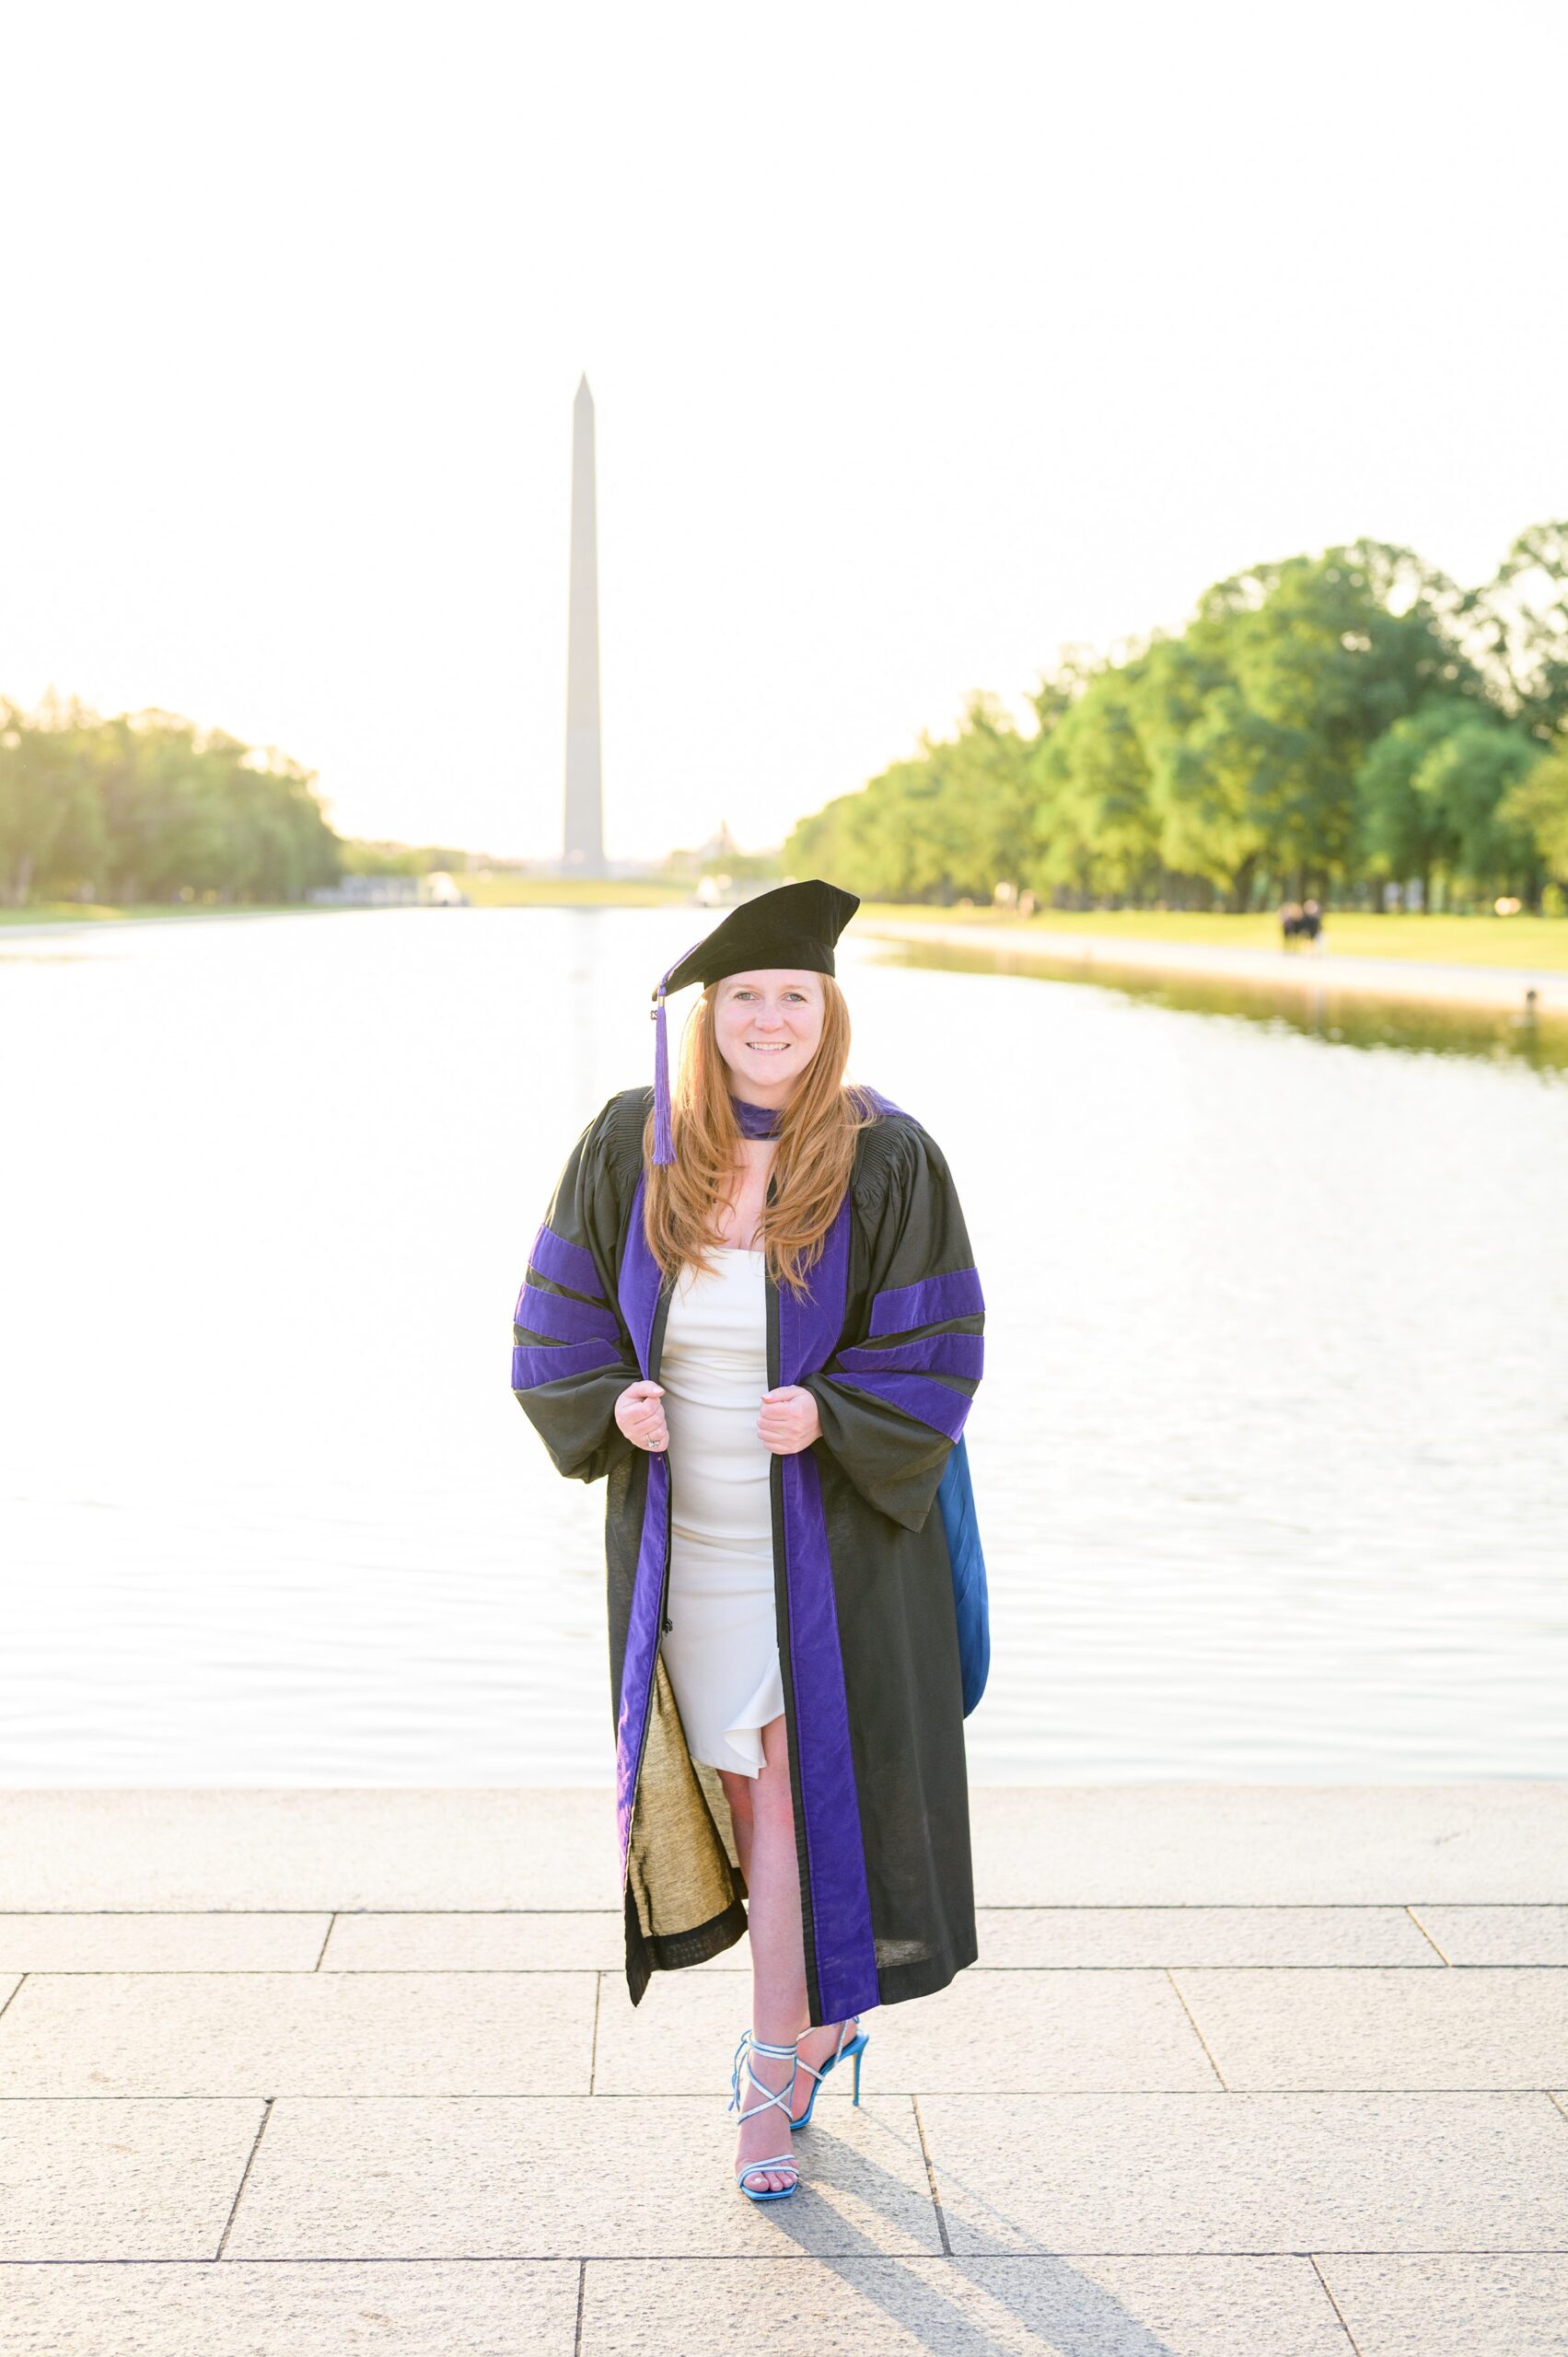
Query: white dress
{"points": [[721, 1649]]}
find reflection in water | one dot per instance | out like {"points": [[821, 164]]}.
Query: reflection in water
{"points": [[1344, 1018], [1271, 1459]]}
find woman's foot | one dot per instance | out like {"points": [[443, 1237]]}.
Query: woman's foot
{"points": [[764, 2127]]}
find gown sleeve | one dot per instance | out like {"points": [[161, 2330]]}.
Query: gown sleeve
{"points": [[893, 1399], [572, 1356]]}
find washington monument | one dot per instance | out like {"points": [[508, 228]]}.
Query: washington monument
{"points": [[585, 807]]}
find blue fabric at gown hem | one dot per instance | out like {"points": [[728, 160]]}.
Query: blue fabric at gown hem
{"points": [[955, 1495]]}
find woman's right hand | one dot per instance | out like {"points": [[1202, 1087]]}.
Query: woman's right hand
{"points": [[640, 1416]]}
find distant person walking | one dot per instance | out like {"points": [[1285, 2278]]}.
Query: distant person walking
{"points": [[755, 1310], [1290, 924], [1310, 926]]}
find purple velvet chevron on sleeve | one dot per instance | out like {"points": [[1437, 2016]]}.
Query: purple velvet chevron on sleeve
{"points": [[920, 1354], [565, 1264], [555, 1334], [916, 1395], [955, 1294], [561, 1317], [535, 1364], [903, 1370]]}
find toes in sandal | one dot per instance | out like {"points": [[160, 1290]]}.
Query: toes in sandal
{"points": [[780, 2161]]}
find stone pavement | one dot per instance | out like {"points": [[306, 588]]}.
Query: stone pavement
{"points": [[1242, 2072]]}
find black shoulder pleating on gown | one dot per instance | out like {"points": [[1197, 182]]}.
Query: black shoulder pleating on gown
{"points": [[889, 1342]]}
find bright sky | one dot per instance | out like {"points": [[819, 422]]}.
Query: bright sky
{"points": [[924, 339]]}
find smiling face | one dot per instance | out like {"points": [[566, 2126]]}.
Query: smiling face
{"points": [[766, 1027]]}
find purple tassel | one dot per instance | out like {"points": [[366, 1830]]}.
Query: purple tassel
{"points": [[664, 1139], [664, 1144]]}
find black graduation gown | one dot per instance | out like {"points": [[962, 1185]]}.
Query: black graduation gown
{"points": [[888, 1341]]}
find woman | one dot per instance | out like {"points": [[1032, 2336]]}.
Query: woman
{"points": [[755, 1311]]}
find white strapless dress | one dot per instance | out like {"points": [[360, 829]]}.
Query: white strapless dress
{"points": [[721, 1649]]}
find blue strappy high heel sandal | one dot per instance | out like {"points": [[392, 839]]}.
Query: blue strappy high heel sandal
{"points": [[780, 2095], [855, 2046]]}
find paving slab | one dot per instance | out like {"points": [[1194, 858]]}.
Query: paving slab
{"points": [[1010, 1938], [119, 2180], [239, 2310], [1258, 2173], [1498, 1935], [962, 2307], [1468, 2305], [275, 2033], [997, 2029], [160, 1943], [546, 1846], [1219, 1845], [313, 1847], [1075, 1938], [1382, 2029], [547, 2179], [563, 1940]]}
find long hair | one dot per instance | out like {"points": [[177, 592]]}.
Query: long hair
{"points": [[811, 1166]]}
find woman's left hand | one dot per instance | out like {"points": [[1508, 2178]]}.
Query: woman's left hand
{"points": [[789, 1420]]}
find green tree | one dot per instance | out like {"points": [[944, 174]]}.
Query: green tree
{"points": [[1204, 750], [1096, 830], [150, 808], [1430, 798], [947, 825], [1320, 721], [1467, 777], [50, 819], [1400, 831], [1327, 653], [1518, 627], [1538, 805]]}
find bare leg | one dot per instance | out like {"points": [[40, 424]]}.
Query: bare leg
{"points": [[738, 1791], [763, 1813], [778, 1963]]}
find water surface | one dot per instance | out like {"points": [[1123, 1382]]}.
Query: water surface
{"points": [[1272, 1457]]}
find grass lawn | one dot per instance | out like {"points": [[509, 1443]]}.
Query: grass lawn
{"points": [[486, 891], [1447, 941], [497, 889], [97, 913], [1457, 941]]}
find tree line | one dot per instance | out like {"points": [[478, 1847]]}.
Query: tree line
{"points": [[146, 806], [1327, 726]]}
